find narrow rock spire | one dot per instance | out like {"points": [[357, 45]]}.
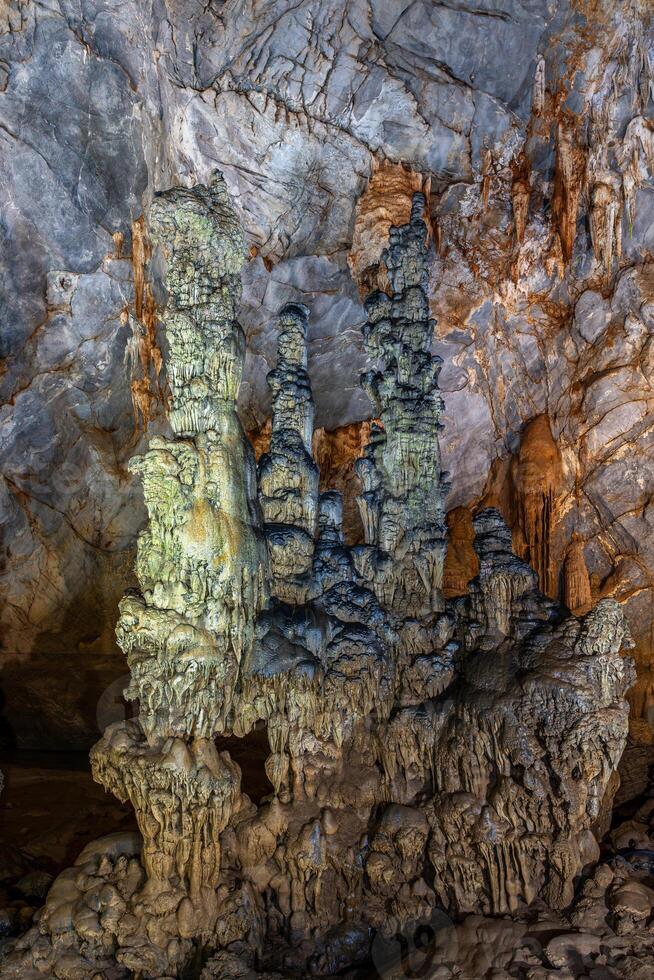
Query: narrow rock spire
{"points": [[288, 475], [404, 489]]}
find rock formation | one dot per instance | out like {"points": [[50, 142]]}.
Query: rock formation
{"points": [[288, 475], [425, 753], [485, 112]]}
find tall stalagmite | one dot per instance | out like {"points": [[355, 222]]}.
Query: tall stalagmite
{"points": [[202, 570], [288, 475], [402, 503], [424, 753]]}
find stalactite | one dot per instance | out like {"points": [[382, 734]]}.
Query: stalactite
{"points": [[568, 185], [538, 90], [486, 176], [635, 157], [520, 191], [537, 478], [606, 219], [577, 589]]}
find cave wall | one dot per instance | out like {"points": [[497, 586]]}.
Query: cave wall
{"points": [[528, 124]]}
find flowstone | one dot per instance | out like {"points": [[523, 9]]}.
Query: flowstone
{"points": [[424, 753]]}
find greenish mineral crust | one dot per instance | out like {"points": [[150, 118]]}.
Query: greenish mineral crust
{"points": [[203, 252], [424, 754]]}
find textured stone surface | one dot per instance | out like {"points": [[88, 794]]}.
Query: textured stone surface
{"points": [[426, 757], [529, 121]]}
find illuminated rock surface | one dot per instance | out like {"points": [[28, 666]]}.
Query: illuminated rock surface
{"points": [[513, 119], [425, 753]]}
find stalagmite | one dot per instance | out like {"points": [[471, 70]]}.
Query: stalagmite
{"points": [[402, 505], [288, 475], [425, 753]]}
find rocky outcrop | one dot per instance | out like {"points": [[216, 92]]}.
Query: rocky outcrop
{"points": [[424, 753]]}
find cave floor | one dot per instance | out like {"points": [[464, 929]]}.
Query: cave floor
{"points": [[50, 809]]}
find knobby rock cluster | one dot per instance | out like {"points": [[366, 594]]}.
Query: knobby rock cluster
{"points": [[425, 753]]}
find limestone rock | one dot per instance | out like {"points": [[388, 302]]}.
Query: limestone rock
{"points": [[511, 124], [427, 756]]}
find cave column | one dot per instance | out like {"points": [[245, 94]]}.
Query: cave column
{"points": [[201, 566]]}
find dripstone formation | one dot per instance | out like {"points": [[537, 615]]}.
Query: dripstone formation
{"points": [[424, 754]]}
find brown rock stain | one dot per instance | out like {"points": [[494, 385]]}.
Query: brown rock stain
{"points": [[386, 202], [260, 438], [461, 562], [147, 361]]}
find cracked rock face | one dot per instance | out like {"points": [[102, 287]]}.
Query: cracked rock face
{"points": [[528, 124], [427, 756]]}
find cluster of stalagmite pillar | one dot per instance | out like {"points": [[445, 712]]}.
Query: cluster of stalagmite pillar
{"points": [[424, 753]]}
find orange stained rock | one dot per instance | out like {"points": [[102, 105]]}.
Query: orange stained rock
{"points": [[641, 695], [149, 361], [576, 580], [386, 202], [141, 397], [461, 562], [335, 453], [260, 438]]}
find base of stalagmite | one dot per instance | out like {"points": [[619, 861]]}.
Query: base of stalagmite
{"points": [[606, 933]]}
